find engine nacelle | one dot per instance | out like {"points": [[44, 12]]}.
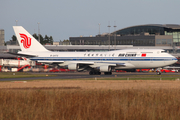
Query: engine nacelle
{"points": [[105, 68], [73, 66]]}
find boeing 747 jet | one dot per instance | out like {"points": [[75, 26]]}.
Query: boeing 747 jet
{"points": [[94, 62]]}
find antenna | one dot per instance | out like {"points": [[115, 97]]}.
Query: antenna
{"points": [[38, 32]]}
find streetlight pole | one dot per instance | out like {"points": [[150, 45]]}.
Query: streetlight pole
{"points": [[99, 28], [109, 35], [115, 34], [16, 22], [38, 32]]}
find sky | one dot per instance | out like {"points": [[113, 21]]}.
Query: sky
{"points": [[62, 19]]}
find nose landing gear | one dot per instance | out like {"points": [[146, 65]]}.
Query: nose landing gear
{"points": [[158, 73]]}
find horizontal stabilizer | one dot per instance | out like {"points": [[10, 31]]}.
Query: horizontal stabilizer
{"points": [[22, 55]]}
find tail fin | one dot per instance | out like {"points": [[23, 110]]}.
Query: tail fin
{"points": [[26, 41]]}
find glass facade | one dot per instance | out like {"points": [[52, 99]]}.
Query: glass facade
{"points": [[141, 29], [154, 29], [176, 36], [164, 42]]}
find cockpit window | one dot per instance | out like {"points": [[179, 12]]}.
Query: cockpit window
{"points": [[163, 52]]}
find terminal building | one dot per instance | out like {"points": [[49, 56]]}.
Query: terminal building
{"points": [[141, 35]]}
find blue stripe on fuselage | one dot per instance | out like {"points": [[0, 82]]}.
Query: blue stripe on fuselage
{"points": [[103, 59]]}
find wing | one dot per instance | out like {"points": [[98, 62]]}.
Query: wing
{"points": [[102, 66]]}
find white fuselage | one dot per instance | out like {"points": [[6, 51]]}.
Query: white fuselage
{"points": [[121, 59], [96, 62]]}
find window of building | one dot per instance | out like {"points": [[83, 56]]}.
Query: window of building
{"points": [[158, 41], [164, 41]]}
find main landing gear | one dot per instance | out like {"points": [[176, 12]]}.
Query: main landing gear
{"points": [[99, 73], [158, 73], [107, 73], [94, 73]]}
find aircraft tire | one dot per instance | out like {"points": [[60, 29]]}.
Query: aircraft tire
{"points": [[107, 73], [158, 73], [94, 73], [91, 73], [99, 73]]}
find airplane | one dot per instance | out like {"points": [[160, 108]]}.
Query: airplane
{"points": [[16, 62], [94, 62]]}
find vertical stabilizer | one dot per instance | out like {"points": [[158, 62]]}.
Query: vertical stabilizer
{"points": [[26, 41]]}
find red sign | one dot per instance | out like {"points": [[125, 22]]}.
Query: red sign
{"points": [[143, 55]]}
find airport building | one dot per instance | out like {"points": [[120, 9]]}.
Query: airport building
{"points": [[141, 35], [1, 37]]}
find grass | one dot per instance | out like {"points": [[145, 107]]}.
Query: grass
{"points": [[129, 104], [138, 77]]}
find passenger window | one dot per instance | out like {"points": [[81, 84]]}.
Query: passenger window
{"points": [[121, 55]]}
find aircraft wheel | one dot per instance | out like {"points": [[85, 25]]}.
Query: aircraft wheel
{"points": [[91, 73], [107, 73], [99, 73], [94, 73], [158, 73]]}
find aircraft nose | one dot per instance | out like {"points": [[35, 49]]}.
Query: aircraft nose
{"points": [[175, 59]]}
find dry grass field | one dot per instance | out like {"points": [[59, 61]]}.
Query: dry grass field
{"points": [[90, 100]]}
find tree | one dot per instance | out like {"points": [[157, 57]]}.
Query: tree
{"points": [[35, 36], [51, 40], [66, 42], [14, 38], [48, 40]]}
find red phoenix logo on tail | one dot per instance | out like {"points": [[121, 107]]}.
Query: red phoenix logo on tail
{"points": [[26, 40]]}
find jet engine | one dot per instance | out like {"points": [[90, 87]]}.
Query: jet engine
{"points": [[105, 68], [73, 66]]}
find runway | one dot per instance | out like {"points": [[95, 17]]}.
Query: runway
{"points": [[79, 75]]}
